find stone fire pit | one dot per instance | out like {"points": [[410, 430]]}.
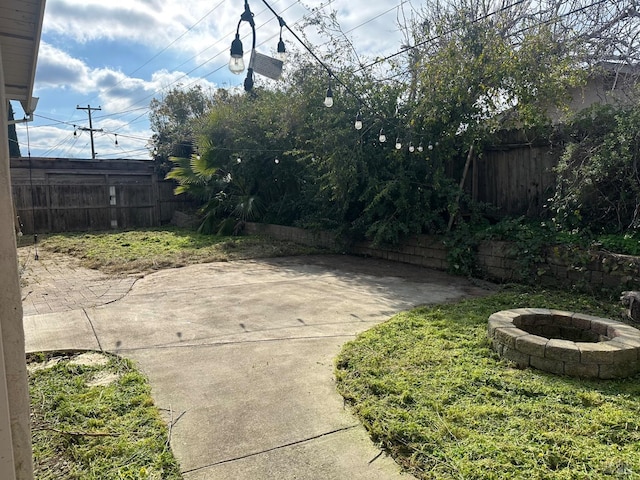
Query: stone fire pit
{"points": [[566, 343]]}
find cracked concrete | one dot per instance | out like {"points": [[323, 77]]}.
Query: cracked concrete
{"points": [[240, 357]]}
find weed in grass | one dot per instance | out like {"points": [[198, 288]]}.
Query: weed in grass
{"points": [[96, 432], [428, 387]]}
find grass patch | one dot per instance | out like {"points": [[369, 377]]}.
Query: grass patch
{"points": [[96, 421], [153, 249], [428, 387]]}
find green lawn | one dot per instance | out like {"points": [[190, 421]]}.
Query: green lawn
{"points": [[96, 420], [153, 249], [428, 387]]}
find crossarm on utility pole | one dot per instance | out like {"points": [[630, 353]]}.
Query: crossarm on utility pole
{"points": [[89, 109]]}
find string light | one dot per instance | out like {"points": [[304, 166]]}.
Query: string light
{"points": [[281, 50], [236, 63], [358, 123], [328, 99]]}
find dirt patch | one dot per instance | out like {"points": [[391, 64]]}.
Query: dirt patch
{"points": [[90, 359], [103, 379]]}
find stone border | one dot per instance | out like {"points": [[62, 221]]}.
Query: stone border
{"points": [[617, 355]]}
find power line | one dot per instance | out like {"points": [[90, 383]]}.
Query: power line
{"points": [[436, 37], [165, 48]]}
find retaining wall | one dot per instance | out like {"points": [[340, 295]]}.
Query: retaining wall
{"points": [[496, 260]]}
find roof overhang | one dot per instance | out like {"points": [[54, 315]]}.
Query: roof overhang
{"points": [[20, 32]]}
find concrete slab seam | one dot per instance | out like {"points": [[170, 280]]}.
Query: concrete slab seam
{"points": [[224, 344], [279, 447], [95, 334]]}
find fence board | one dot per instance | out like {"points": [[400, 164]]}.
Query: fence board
{"points": [[517, 180], [59, 195]]}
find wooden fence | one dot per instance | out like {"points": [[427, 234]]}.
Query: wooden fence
{"points": [[61, 195], [77, 195], [515, 179]]}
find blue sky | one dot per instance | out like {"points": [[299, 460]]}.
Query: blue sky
{"points": [[119, 54]]}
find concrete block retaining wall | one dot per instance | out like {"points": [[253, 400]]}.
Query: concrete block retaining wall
{"points": [[495, 258]]}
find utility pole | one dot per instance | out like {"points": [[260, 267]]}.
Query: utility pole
{"points": [[88, 108]]}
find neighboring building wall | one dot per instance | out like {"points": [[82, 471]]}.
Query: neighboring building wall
{"points": [[609, 84]]}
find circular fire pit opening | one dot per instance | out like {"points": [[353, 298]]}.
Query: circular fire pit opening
{"points": [[566, 343]]}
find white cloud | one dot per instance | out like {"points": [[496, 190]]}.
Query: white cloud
{"points": [[128, 51], [148, 23], [206, 28], [57, 68], [116, 91]]}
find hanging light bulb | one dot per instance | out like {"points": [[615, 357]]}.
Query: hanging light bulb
{"points": [[430, 147], [276, 161], [411, 147], [382, 137], [328, 100], [398, 144], [116, 138], [282, 51], [236, 63], [358, 123], [420, 147]]}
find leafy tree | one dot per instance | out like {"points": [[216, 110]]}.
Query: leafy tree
{"points": [[598, 187], [173, 120], [244, 168]]}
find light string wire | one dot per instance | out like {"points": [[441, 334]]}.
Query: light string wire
{"points": [[33, 198]]}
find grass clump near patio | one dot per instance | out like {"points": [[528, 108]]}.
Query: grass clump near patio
{"points": [[153, 249], [95, 420], [430, 390]]}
